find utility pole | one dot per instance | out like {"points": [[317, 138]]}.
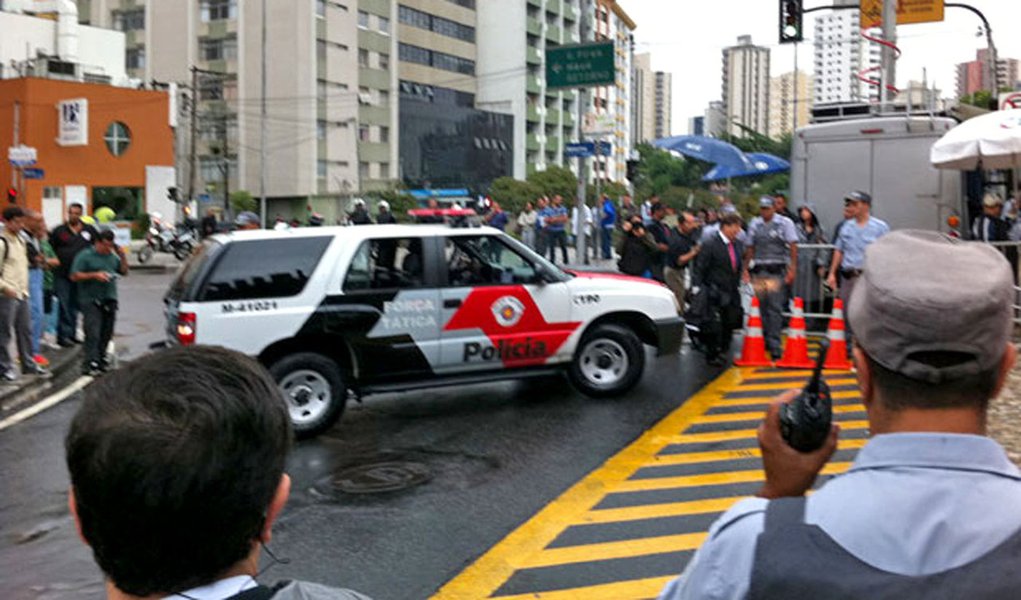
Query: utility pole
{"points": [[262, 127], [889, 56], [194, 132], [226, 165]]}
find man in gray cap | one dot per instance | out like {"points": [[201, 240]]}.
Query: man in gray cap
{"points": [[771, 260], [246, 220], [928, 509]]}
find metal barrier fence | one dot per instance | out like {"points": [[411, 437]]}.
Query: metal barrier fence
{"points": [[814, 264]]}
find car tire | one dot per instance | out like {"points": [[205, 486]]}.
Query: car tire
{"points": [[183, 251], [608, 362], [313, 389]]}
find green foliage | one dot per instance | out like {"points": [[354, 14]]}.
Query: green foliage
{"points": [[659, 170], [608, 188], [140, 226], [555, 181], [981, 99], [242, 200], [512, 194], [756, 142]]}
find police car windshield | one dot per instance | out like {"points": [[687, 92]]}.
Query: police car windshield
{"points": [[554, 271], [191, 270]]}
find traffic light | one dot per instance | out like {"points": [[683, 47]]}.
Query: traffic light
{"points": [[632, 170], [791, 18], [172, 195], [12, 195]]}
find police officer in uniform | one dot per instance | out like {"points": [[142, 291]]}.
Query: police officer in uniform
{"points": [[772, 260], [928, 509]]}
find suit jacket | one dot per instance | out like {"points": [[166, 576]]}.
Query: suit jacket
{"points": [[714, 271]]}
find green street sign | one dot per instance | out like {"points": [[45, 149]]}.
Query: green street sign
{"points": [[580, 65]]}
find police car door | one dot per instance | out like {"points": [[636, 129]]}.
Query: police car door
{"points": [[391, 309], [497, 312]]}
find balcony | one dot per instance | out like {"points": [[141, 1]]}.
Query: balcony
{"points": [[568, 122], [532, 142], [553, 33], [570, 13], [532, 84], [533, 55], [535, 3], [553, 6], [534, 27], [552, 142], [532, 113], [553, 116]]}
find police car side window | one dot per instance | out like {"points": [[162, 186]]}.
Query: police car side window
{"points": [[273, 268], [386, 264], [485, 260]]}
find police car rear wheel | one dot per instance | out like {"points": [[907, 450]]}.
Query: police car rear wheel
{"points": [[609, 361], [313, 390]]}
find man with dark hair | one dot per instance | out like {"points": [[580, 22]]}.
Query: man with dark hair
{"points": [[67, 241], [717, 274], [15, 316], [95, 271], [177, 476], [928, 509]]}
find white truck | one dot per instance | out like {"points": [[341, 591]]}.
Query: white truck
{"points": [[888, 157]]}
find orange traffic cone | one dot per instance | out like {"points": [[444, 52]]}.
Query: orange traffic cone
{"points": [[795, 355], [836, 358], [754, 352]]}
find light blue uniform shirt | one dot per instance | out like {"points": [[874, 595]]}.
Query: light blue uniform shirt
{"points": [[911, 504], [771, 241], [854, 238]]}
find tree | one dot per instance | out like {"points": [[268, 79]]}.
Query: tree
{"points": [[659, 170], [981, 99], [555, 181], [242, 200], [512, 193]]}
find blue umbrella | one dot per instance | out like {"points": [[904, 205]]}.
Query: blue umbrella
{"points": [[706, 149], [761, 164]]}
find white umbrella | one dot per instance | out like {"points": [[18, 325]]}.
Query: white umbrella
{"points": [[992, 141]]}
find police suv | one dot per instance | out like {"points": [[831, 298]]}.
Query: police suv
{"points": [[387, 308]]}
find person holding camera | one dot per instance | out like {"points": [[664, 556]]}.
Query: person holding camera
{"points": [[95, 271], [636, 248], [928, 509]]}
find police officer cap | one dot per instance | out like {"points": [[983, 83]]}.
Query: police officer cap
{"points": [[911, 318], [992, 200], [246, 218], [859, 196]]}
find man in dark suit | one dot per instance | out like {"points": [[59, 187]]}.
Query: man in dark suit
{"points": [[717, 273]]}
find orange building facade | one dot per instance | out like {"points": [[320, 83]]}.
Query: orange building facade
{"points": [[95, 144]]}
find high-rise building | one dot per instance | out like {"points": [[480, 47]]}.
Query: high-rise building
{"points": [[696, 125], [607, 109], [643, 98], [511, 42], [841, 54], [715, 119], [445, 140], [746, 87], [330, 125], [664, 97], [790, 102], [974, 75]]}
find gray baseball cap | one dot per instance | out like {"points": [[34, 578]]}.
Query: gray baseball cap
{"points": [[913, 318], [246, 218]]}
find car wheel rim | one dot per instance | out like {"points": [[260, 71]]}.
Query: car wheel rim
{"points": [[308, 395], [603, 362]]}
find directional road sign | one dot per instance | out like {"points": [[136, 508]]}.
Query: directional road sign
{"points": [[21, 156], [584, 149], [580, 65], [33, 173], [908, 11]]}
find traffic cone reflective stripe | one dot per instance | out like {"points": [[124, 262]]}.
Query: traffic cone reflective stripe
{"points": [[836, 358], [796, 351], [753, 354]]}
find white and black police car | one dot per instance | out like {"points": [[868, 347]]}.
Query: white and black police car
{"points": [[387, 308]]}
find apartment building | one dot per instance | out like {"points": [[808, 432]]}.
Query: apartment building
{"points": [[643, 98], [840, 55], [974, 75], [662, 110], [746, 87], [790, 102]]}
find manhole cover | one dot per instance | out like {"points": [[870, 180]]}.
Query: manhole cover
{"points": [[381, 477]]}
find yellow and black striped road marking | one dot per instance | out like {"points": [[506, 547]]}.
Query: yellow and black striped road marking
{"points": [[631, 525]]}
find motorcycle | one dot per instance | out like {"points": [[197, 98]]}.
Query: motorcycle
{"points": [[160, 237]]}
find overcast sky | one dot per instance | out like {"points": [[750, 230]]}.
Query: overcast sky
{"points": [[686, 38]]}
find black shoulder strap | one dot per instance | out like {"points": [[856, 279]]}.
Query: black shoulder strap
{"points": [[261, 592]]}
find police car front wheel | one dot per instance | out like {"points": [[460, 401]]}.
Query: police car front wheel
{"points": [[313, 390], [609, 361]]}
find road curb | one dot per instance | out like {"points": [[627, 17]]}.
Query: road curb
{"points": [[33, 388]]}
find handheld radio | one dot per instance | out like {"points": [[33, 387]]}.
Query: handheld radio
{"points": [[805, 421]]}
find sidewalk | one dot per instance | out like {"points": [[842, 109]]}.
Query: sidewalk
{"points": [[65, 367]]}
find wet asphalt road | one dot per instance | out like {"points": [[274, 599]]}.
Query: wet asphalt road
{"points": [[490, 456]]}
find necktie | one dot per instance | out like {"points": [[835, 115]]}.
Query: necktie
{"points": [[733, 257]]}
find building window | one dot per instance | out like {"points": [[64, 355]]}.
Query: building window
{"points": [[423, 20], [363, 170], [414, 54], [363, 19], [363, 133], [129, 20], [384, 61], [384, 97], [321, 169], [320, 130], [384, 170], [218, 49], [321, 8], [439, 60], [135, 58], [384, 134], [363, 57], [384, 25], [218, 10], [117, 138]]}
